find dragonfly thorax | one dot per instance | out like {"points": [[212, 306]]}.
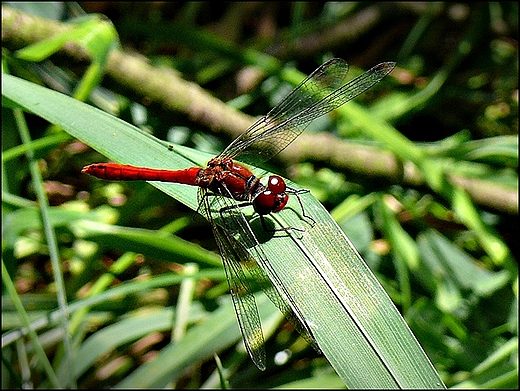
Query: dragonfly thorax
{"points": [[233, 180]]}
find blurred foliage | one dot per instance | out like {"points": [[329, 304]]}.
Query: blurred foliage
{"points": [[454, 94]]}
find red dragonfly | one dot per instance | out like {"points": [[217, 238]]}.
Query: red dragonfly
{"points": [[233, 185]]}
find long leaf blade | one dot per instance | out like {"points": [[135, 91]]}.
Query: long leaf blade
{"points": [[356, 325]]}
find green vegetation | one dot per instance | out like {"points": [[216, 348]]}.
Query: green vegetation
{"points": [[119, 284]]}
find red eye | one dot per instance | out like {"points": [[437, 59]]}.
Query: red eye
{"points": [[276, 184], [280, 202], [269, 202], [264, 202]]}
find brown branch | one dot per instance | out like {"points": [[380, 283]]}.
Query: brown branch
{"points": [[161, 85], [323, 38], [375, 164], [166, 87]]}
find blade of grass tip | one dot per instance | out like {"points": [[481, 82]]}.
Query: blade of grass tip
{"points": [[11, 290], [182, 313], [99, 44], [495, 248], [405, 250], [186, 292], [224, 384], [50, 235], [40, 144]]}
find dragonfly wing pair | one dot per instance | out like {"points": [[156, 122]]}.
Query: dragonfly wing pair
{"points": [[321, 92], [245, 261]]}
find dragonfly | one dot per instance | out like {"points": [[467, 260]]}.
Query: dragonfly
{"points": [[226, 186]]}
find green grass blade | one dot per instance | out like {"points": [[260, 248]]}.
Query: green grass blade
{"points": [[353, 320]]}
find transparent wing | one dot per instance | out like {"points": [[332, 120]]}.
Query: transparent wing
{"points": [[321, 92], [243, 300], [230, 224]]}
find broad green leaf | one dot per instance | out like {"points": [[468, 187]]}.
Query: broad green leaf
{"points": [[351, 317]]}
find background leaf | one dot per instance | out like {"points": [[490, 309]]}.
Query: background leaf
{"points": [[421, 173]]}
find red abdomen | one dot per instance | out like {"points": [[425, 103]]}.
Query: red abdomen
{"points": [[123, 172]]}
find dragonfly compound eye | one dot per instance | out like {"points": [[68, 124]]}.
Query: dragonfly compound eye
{"points": [[276, 184], [269, 202]]}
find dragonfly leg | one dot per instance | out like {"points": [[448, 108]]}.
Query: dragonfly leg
{"points": [[229, 208], [297, 193]]}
